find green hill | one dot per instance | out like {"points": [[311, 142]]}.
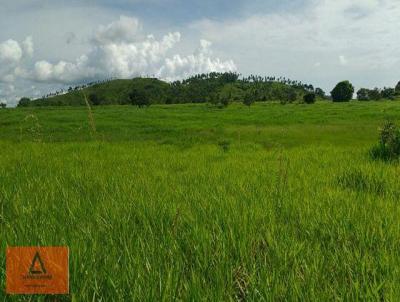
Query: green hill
{"points": [[112, 92], [197, 89]]}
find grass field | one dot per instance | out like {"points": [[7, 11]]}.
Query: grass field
{"points": [[187, 202]]}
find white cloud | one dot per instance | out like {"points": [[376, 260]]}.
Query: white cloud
{"points": [[28, 46], [201, 62], [123, 30], [10, 52], [121, 50], [289, 43]]}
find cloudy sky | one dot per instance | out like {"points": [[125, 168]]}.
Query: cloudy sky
{"points": [[49, 44]]}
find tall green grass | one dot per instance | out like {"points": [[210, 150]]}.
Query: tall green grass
{"points": [[242, 213]]}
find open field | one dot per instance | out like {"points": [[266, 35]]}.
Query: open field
{"points": [[187, 202]]}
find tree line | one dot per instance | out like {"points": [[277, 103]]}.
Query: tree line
{"points": [[216, 88], [219, 89]]}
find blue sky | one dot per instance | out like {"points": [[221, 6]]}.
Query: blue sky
{"points": [[50, 44]]}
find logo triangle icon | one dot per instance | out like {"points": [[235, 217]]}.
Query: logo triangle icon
{"points": [[37, 266]]}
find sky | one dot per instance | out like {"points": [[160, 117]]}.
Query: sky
{"points": [[46, 45]]}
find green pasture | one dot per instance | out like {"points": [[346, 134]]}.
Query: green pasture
{"points": [[193, 203]]}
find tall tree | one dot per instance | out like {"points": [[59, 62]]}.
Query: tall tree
{"points": [[363, 94], [343, 92], [139, 98], [397, 89], [24, 102]]}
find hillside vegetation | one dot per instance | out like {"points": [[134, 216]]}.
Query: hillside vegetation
{"points": [[213, 88]]}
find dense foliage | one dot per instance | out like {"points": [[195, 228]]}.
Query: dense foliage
{"points": [[376, 94], [24, 102], [219, 89], [397, 88], [309, 98], [343, 92]]}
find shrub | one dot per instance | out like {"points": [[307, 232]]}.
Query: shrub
{"points": [[388, 147], [309, 98], [139, 98], [24, 102], [343, 92], [94, 99]]}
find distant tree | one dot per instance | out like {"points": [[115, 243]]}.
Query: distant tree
{"points": [[3, 104], [249, 97], [363, 94], [388, 93], [24, 102], [94, 99], [309, 98], [397, 88], [319, 92], [374, 94], [290, 95], [139, 98], [229, 93], [343, 92]]}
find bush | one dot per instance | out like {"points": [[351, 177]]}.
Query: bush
{"points": [[388, 147], [94, 99], [309, 98], [24, 102], [139, 98], [343, 92]]}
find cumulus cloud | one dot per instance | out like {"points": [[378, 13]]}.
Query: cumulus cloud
{"points": [[123, 30], [10, 51], [182, 66], [120, 50], [28, 46], [11, 54]]}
